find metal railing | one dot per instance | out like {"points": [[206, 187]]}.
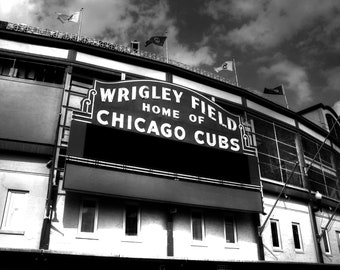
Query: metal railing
{"points": [[113, 47]]}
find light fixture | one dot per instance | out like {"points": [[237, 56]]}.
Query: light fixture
{"points": [[317, 206], [318, 196]]}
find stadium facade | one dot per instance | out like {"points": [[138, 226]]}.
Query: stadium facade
{"points": [[112, 156]]}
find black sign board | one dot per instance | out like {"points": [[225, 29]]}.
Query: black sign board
{"points": [[164, 110]]}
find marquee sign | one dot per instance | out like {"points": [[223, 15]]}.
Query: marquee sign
{"points": [[164, 110]]}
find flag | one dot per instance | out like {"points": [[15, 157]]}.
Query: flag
{"points": [[157, 40], [227, 65], [274, 91], [74, 17]]}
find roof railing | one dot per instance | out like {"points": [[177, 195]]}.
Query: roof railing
{"points": [[113, 47]]}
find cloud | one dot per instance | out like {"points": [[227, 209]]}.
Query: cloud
{"points": [[269, 23], [333, 79], [292, 76], [8, 11], [203, 55], [117, 21], [182, 53], [333, 84], [237, 9]]}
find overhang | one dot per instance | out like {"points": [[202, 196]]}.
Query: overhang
{"points": [[119, 183]]}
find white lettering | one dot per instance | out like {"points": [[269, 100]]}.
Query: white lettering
{"points": [[211, 112], [129, 122], [194, 102], [231, 124], [211, 139], [193, 118], [220, 119], [179, 133], [200, 119], [137, 127], [234, 144], [144, 92], [153, 128], [146, 107], [178, 96], [116, 119], [156, 109], [166, 130], [166, 93], [154, 93], [175, 114], [197, 139], [107, 94], [133, 92], [99, 117], [123, 94], [223, 142]]}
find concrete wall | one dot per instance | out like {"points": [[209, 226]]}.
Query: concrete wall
{"points": [[286, 212], [322, 219], [24, 174], [109, 240], [214, 246]]}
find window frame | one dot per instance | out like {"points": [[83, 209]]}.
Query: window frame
{"points": [[234, 228], [20, 229], [298, 228], [322, 175], [80, 220], [202, 228], [279, 238], [280, 167], [127, 236], [337, 235], [326, 244]]}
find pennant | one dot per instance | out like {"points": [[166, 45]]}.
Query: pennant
{"points": [[74, 17], [227, 65], [62, 17], [157, 40], [274, 91]]}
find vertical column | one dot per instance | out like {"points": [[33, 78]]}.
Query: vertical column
{"points": [[170, 231]]}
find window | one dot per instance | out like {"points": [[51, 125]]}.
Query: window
{"points": [[6, 65], [277, 152], [297, 236], [131, 220], [15, 211], [88, 217], [197, 226], [276, 238], [322, 173], [338, 238], [325, 240], [29, 70], [230, 229]]}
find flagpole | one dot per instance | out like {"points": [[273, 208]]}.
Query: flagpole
{"points": [[235, 72], [80, 23], [284, 94], [166, 47]]}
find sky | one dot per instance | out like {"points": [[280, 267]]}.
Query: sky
{"points": [[295, 43]]}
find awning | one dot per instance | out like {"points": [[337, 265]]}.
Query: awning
{"points": [[119, 183]]}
